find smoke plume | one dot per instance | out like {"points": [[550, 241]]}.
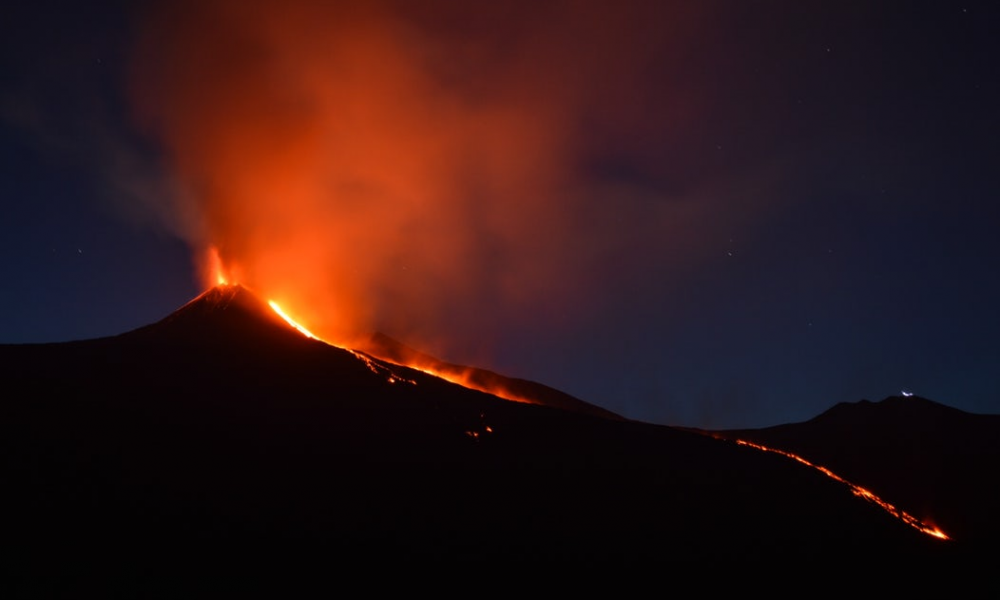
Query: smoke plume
{"points": [[428, 169]]}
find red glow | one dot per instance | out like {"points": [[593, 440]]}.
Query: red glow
{"points": [[400, 166]]}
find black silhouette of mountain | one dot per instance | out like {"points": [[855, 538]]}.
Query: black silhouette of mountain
{"points": [[932, 460], [219, 447]]}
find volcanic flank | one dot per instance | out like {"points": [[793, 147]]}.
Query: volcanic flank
{"points": [[230, 312], [223, 437]]}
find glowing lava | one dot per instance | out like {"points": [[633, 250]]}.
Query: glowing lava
{"points": [[858, 491], [220, 274], [274, 306], [465, 377], [457, 376]]}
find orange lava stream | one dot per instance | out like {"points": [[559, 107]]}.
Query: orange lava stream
{"points": [[373, 366], [465, 381], [219, 275], [858, 491], [274, 306], [392, 377], [380, 369]]}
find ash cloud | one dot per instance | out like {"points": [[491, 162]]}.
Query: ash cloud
{"points": [[442, 173]]}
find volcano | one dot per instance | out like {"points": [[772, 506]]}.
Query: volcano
{"points": [[222, 444]]}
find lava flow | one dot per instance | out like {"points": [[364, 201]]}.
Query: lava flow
{"points": [[274, 306], [462, 376], [219, 274], [459, 378], [374, 367], [857, 490]]}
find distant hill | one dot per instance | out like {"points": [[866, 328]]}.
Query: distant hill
{"points": [[937, 462]]}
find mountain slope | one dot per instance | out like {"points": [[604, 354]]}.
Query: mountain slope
{"points": [[932, 460], [391, 350], [221, 444]]}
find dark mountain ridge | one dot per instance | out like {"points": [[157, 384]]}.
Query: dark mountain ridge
{"points": [[933, 460], [221, 445]]}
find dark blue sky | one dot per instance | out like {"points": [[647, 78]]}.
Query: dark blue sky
{"points": [[803, 204]]}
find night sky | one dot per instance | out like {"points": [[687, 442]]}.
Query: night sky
{"points": [[716, 214]]}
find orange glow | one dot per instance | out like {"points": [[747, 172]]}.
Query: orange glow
{"points": [[274, 306], [217, 273], [419, 168], [372, 365], [463, 376], [412, 168], [859, 491], [460, 377], [463, 379]]}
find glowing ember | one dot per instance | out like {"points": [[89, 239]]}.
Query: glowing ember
{"points": [[858, 491], [380, 369], [482, 431]]}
